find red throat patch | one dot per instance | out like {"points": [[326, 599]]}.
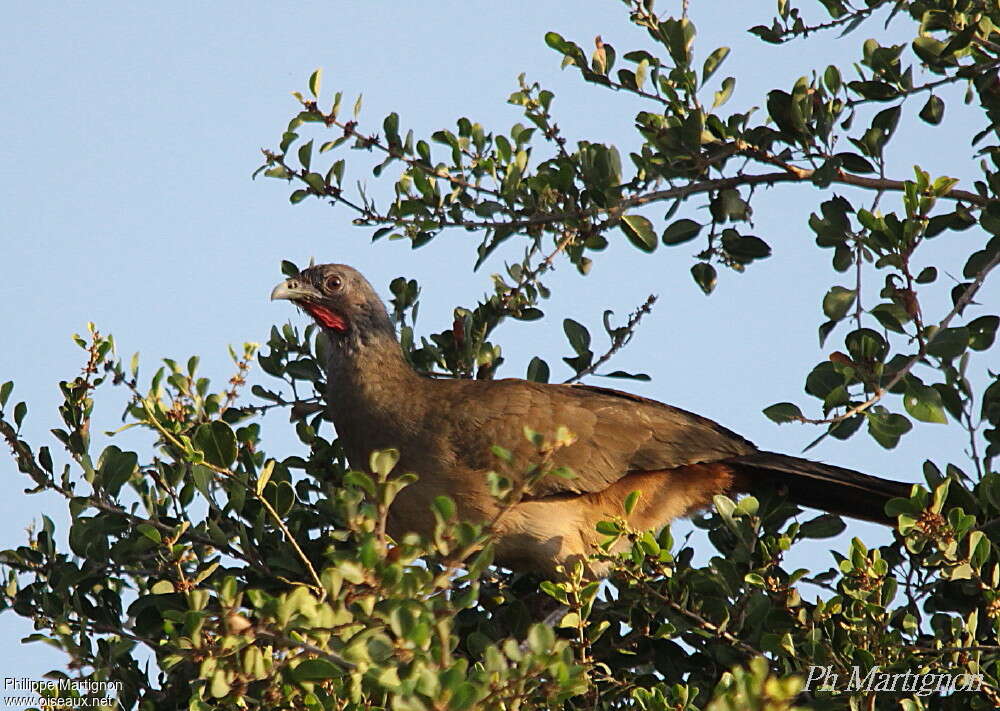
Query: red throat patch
{"points": [[325, 317]]}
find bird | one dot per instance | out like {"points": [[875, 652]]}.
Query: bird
{"points": [[445, 431]]}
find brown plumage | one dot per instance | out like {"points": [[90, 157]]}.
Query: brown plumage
{"points": [[444, 429]]}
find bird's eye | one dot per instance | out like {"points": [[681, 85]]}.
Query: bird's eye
{"points": [[333, 283]]}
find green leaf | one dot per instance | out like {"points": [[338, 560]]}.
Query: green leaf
{"points": [[713, 62], [315, 81], [831, 77], [874, 90], [116, 467], [20, 410], [866, 345], [728, 205], [538, 370], [383, 461], [578, 335], [316, 182], [704, 276], [933, 110], [284, 498], [608, 528], [630, 501], [823, 526], [627, 376], [744, 248], [639, 231], [854, 163], [316, 670], [949, 343], [280, 171], [924, 403], [360, 480], [681, 231], [982, 332], [305, 154], [219, 687], [846, 428], [891, 315], [886, 428], [265, 475], [150, 532], [722, 95], [445, 507], [838, 302], [555, 591], [217, 441], [782, 412]]}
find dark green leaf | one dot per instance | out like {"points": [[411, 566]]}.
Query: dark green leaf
{"points": [[854, 163], [639, 231], [782, 412], [578, 335], [824, 331], [630, 376], [837, 302], [217, 441], [823, 526], [982, 332], [704, 276], [846, 428], [538, 370], [866, 345], [305, 154], [317, 670], [949, 343], [823, 379], [933, 110], [115, 467], [20, 410], [886, 428], [681, 231], [284, 497], [744, 248]]}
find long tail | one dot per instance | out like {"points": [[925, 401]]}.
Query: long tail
{"points": [[821, 486]]}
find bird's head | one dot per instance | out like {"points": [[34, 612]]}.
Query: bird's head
{"points": [[338, 298]]}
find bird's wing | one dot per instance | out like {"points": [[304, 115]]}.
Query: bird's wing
{"points": [[616, 433]]}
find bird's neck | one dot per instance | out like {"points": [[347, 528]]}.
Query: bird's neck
{"points": [[369, 380]]}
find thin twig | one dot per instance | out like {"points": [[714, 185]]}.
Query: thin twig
{"points": [[962, 302], [791, 175], [305, 646], [618, 341], [694, 616], [260, 497]]}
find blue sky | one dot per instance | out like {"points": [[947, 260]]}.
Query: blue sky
{"points": [[131, 131]]}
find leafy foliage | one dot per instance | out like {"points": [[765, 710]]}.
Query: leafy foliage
{"points": [[256, 581]]}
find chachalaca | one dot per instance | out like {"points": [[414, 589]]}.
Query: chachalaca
{"points": [[444, 430]]}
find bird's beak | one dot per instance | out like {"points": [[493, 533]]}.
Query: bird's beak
{"points": [[293, 290]]}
